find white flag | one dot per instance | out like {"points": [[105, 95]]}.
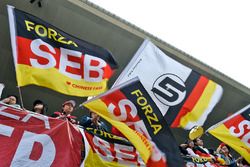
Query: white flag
{"points": [[184, 96]]}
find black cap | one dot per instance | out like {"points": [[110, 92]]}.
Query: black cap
{"points": [[37, 102]]}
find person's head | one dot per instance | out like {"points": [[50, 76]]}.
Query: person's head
{"points": [[198, 142], [12, 99], [68, 107], [190, 143], [38, 107], [224, 149], [94, 115]]}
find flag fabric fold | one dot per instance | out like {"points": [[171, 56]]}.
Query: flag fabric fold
{"points": [[105, 149], [184, 96], [31, 139], [130, 105], [235, 132], [46, 56]]}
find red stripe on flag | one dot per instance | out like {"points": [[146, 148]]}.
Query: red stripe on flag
{"points": [[191, 100]]}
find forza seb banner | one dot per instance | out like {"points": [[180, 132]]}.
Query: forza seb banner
{"points": [[105, 149], [235, 132], [184, 96], [30, 139], [131, 104], [48, 57]]}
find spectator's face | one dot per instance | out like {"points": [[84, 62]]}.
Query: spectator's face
{"points": [[191, 144], [38, 108], [68, 108], [94, 115], [199, 142], [224, 150], [12, 100]]}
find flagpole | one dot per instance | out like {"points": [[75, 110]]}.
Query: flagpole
{"points": [[20, 95]]}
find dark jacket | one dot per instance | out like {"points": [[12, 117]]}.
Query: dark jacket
{"points": [[87, 122]]}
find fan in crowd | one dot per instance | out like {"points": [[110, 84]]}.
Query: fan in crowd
{"points": [[200, 150], [11, 100], [223, 151], [66, 111], [188, 148], [93, 120], [39, 107]]}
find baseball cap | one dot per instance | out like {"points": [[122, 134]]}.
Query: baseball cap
{"points": [[69, 102]]}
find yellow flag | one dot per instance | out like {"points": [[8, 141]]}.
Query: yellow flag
{"points": [[235, 132]]}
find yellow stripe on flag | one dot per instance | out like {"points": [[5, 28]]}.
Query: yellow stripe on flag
{"points": [[201, 105], [93, 159], [222, 133], [53, 79], [142, 145]]}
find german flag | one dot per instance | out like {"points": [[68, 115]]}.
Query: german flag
{"points": [[202, 95], [47, 56], [235, 132], [184, 96]]}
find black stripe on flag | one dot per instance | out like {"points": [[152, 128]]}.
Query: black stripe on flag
{"points": [[83, 46], [246, 114], [190, 83], [164, 139]]}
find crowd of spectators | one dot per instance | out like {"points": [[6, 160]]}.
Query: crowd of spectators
{"points": [[191, 148], [220, 157], [65, 113]]}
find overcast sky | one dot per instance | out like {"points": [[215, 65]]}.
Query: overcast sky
{"points": [[217, 32]]}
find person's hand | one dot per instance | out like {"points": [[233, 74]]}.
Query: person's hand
{"points": [[6, 100], [95, 120], [218, 150], [239, 159], [63, 117], [38, 106], [183, 145], [74, 121]]}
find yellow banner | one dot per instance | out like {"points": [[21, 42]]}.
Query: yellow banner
{"points": [[51, 78]]}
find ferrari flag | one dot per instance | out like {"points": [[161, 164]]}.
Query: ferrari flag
{"points": [[130, 104], [235, 132], [30, 139], [184, 96], [46, 56]]}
